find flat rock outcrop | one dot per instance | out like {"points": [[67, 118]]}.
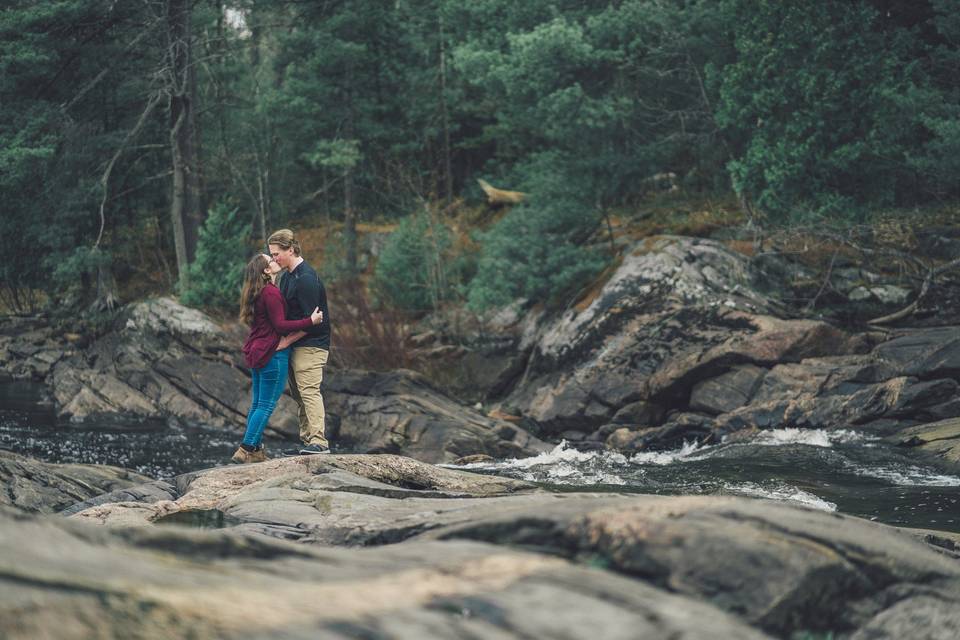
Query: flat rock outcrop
{"points": [[755, 568], [169, 582], [398, 412], [164, 363]]}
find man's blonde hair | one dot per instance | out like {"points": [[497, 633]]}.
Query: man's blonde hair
{"points": [[284, 239]]}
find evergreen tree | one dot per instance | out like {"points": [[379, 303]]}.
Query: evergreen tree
{"points": [[222, 251], [829, 108], [413, 269], [72, 85]]}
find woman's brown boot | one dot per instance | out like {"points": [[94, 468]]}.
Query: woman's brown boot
{"points": [[242, 456]]}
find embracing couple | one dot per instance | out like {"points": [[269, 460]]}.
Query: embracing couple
{"points": [[284, 303]]}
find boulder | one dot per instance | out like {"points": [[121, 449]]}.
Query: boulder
{"points": [[679, 430], [930, 353], [899, 398], [29, 348], [640, 412], [901, 382], [399, 412], [772, 341], [163, 362], [727, 391], [676, 313]]}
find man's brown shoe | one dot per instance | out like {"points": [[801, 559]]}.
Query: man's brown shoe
{"points": [[242, 456]]}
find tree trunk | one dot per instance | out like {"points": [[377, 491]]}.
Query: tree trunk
{"points": [[349, 212], [197, 205], [187, 209], [177, 205], [445, 117], [349, 223], [107, 298]]}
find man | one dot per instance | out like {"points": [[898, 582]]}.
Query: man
{"points": [[303, 292]]}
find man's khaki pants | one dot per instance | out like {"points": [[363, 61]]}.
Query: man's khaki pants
{"points": [[306, 374]]}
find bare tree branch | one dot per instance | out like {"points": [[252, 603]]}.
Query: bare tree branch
{"points": [[105, 178], [103, 72]]}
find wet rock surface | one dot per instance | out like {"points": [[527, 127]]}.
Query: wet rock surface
{"points": [[399, 412], [340, 546]]}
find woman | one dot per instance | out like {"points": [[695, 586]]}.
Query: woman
{"points": [[265, 351]]}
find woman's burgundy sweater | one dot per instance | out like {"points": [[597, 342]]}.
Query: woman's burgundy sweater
{"points": [[269, 323]]}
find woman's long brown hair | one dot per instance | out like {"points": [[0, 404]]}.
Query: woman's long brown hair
{"points": [[254, 280]]}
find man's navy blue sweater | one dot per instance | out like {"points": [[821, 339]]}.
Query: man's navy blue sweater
{"points": [[304, 292]]}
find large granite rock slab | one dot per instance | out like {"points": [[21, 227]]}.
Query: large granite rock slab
{"points": [[296, 497], [688, 340], [172, 582], [398, 412], [782, 570], [677, 313]]}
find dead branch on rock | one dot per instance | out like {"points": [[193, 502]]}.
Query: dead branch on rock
{"points": [[932, 274]]}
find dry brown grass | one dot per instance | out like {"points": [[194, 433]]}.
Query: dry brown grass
{"points": [[21, 300], [680, 214]]}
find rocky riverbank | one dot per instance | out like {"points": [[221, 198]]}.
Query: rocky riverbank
{"points": [[682, 343], [386, 546], [687, 340], [165, 363]]}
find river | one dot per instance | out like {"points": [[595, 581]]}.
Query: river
{"points": [[843, 471]]}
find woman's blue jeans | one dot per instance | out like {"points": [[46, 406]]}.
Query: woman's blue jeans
{"points": [[268, 384]]}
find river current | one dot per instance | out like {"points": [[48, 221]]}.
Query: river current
{"points": [[844, 471]]}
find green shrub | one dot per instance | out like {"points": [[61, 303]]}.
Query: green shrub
{"points": [[414, 269], [216, 275]]}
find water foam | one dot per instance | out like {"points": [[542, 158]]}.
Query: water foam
{"points": [[562, 453], [784, 493], [812, 437], [561, 465], [689, 451], [908, 476]]}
